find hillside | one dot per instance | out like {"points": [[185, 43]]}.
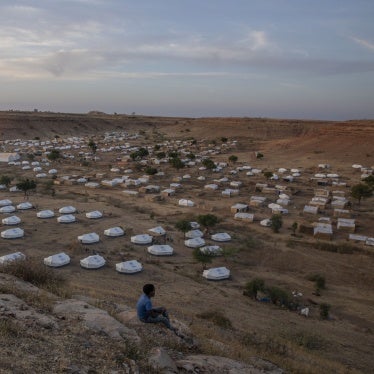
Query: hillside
{"points": [[219, 320]]}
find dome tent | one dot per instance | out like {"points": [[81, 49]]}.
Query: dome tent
{"points": [[129, 267], [94, 214], [12, 257], [160, 250], [216, 273], [114, 231], [92, 262], [141, 239], [45, 214], [12, 220], [24, 206], [89, 238], [12, 233], [67, 210], [194, 243], [7, 209], [67, 218], [57, 260], [221, 237]]}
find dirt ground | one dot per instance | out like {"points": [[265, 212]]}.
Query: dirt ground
{"points": [[345, 341]]}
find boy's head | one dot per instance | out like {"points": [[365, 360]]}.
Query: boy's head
{"points": [[148, 288]]}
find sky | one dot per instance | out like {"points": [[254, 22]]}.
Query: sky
{"points": [[301, 59]]}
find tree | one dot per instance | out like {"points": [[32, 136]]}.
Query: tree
{"points": [[203, 258], [268, 174], [207, 220], [294, 228], [160, 155], [276, 222], [369, 180], [5, 180], [183, 225], [224, 139], [190, 156], [26, 185], [233, 159], [324, 310], [253, 287], [149, 170], [92, 145], [176, 162], [361, 190], [259, 155], [54, 155], [209, 163]]}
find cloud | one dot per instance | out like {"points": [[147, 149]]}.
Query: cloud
{"points": [[363, 43]]}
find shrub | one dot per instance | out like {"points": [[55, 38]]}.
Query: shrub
{"points": [[54, 155], [319, 280], [279, 296], [34, 272], [276, 222], [217, 317], [254, 286], [324, 310], [149, 170]]}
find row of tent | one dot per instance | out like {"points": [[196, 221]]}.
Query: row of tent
{"points": [[97, 262]]}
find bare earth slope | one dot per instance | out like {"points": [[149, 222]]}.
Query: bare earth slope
{"points": [[222, 320]]}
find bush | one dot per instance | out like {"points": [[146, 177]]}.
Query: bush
{"points": [[319, 280], [217, 317], [276, 222], [149, 170], [279, 296], [254, 286], [324, 310], [35, 273]]}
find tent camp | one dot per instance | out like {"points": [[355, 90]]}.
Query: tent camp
{"points": [[9, 157], [194, 234], [216, 273], [92, 262], [213, 250], [129, 267], [57, 260], [186, 202], [5, 202], [157, 231]]}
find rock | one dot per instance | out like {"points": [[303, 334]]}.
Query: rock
{"points": [[159, 359], [16, 308], [95, 319]]}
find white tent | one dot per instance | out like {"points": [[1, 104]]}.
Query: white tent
{"points": [[94, 214], [5, 202], [67, 218], [92, 262], [12, 257], [45, 214], [160, 250], [194, 225], [129, 267], [216, 273], [157, 231], [57, 260], [12, 220], [7, 209], [185, 202], [194, 234], [266, 222], [89, 238], [9, 157], [67, 210], [24, 206], [221, 237], [141, 239], [194, 243], [213, 250], [12, 233], [114, 231]]}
